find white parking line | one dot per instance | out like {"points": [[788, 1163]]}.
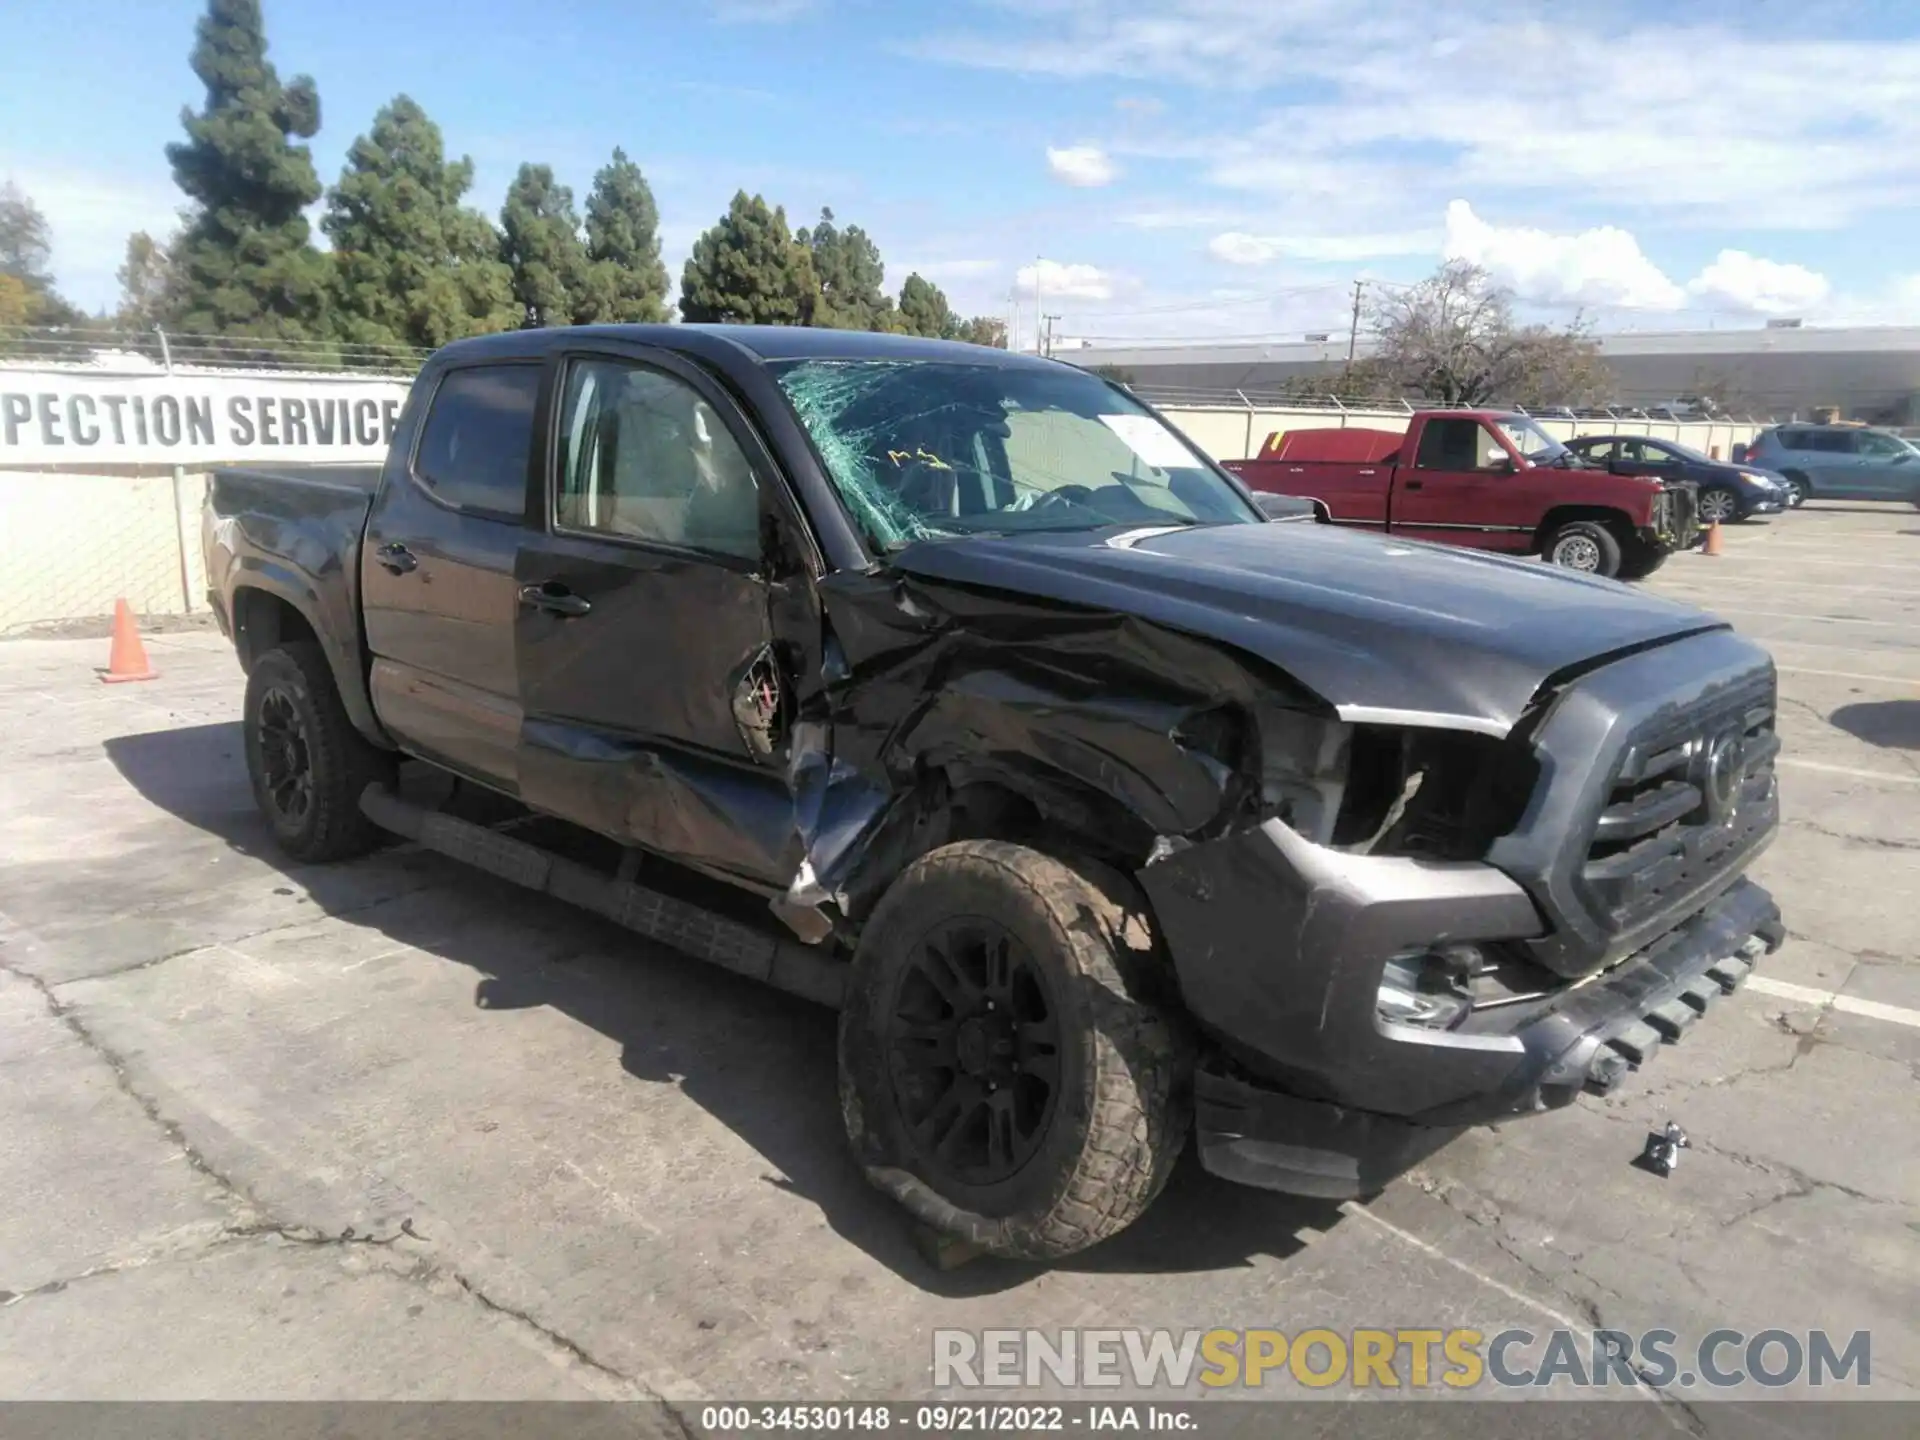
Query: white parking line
{"points": [[1832, 1000], [1847, 675], [1887, 775]]}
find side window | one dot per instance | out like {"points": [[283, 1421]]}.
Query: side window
{"points": [[643, 457], [478, 432], [1880, 447], [1793, 439], [1647, 453], [1458, 445], [1830, 442], [1601, 450]]}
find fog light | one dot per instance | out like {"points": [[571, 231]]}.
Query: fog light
{"points": [[1428, 986]]}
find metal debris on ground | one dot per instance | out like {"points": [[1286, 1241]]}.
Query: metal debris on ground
{"points": [[1663, 1150]]}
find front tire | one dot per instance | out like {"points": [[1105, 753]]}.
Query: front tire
{"points": [[1798, 489], [1720, 505], [1006, 1070], [1586, 546], [307, 762], [1640, 560]]}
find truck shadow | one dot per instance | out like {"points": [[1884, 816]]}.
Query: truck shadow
{"points": [[1891, 724], [760, 1062]]}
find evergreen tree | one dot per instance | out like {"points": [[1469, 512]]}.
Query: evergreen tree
{"points": [[413, 268], [26, 251], [246, 261], [146, 283], [985, 330], [748, 269], [848, 267], [540, 242], [626, 283], [924, 311]]}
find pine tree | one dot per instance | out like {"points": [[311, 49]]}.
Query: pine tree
{"points": [[540, 242], [626, 283], [246, 261], [848, 267], [924, 311], [413, 268], [748, 269]]}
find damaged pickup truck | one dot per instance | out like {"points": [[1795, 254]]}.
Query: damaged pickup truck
{"points": [[1104, 808]]}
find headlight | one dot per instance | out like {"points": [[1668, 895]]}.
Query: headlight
{"points": [[1766, 482]]}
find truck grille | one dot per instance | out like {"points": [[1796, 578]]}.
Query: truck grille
{"points": [[1691, 795], [1676, 513]]}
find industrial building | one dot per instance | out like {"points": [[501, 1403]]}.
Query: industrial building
{"points": [[1866, 373]]}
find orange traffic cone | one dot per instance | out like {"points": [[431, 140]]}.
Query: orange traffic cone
{"points": [[128, 660], [1712, 547]]}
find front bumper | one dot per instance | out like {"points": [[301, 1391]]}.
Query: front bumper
{"points": [[1278, 944]]}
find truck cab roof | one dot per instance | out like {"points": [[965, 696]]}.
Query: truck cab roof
{"points": [[758, 342]]}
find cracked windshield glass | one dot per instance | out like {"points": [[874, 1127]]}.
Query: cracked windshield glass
{"points": [[923, 451]]}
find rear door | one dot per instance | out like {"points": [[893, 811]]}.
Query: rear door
{"points": [[654, 705], [1465, 488], [1831, 464], [436, 572]]}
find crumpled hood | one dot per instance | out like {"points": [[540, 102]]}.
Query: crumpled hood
{"points": [[1366, 622]]}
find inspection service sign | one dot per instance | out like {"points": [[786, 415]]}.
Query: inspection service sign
{"points": [[56, 417]]}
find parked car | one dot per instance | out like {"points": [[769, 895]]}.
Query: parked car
{"points": [[956, 689], [1483, 479], [1727, 492], [1839, 462]]}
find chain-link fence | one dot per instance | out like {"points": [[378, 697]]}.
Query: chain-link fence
{"points": [[105, 349]]}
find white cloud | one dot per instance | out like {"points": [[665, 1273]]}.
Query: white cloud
{"points": [[1602, 266], [1084, 165], [1800, 126], [1066, 282], [1739, 281], [1236, 247], [90, 217]]}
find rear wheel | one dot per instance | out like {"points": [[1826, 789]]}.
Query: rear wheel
{"points": [[1584, 545], [307, 762], [1719, 505], [1006, 1072], [1797, 489]]}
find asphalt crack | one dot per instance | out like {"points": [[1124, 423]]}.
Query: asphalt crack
{"points": [[1873, 842]]}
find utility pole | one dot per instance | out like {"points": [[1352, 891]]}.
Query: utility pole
{"points": [[1050, 319], [1037, 263], [1353, 330]]}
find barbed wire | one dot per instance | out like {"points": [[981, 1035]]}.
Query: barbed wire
{"points": [[103, 348]]}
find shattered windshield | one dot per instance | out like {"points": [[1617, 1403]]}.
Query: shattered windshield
{"points": [[925, 450]]}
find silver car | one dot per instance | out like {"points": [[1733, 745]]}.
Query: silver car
{"points": [[1839, 462]]}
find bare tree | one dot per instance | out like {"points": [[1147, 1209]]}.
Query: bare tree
{"points": [[1453, 339]]}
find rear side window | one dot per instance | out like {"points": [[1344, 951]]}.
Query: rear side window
{"points": [[477, 436], [1833, 442], [1792, 439]]}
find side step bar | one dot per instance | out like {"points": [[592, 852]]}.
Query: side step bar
{"points": [[699, 932]]}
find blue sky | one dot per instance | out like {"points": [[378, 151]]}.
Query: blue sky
{"points": [[1185, 167]]}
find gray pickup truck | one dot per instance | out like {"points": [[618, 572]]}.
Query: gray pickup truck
{"points": [[1104, 808]]}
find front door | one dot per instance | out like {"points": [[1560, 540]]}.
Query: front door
{"points": [[1466, 488], [1883, 468], [654, 706]]}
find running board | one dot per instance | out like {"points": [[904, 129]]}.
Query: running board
{"points": [[691, 929]]}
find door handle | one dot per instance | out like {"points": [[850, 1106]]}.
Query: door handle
{"points": [[555, 599], [1414, 485], [396, 558]]}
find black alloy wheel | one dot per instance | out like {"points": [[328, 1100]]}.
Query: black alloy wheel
{"points": [[973, 1035], [286, 759]]}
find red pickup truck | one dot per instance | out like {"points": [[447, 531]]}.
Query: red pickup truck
{"points": [[1483, 479]]}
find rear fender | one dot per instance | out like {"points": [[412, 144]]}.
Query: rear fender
{"points": [[260, 590]]}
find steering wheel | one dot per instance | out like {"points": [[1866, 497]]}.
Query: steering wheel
{"points": [[1065, 495]]}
